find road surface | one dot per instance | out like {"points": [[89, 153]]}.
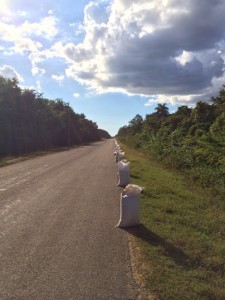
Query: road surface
{"points": [[57, 234]]}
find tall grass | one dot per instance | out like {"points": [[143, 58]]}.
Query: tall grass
{"points": [[204, 164], [180, 244]]}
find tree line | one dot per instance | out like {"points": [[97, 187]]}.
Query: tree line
{"points": [[29, 122], [191, 139]]}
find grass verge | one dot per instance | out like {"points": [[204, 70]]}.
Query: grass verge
{"points": [[179, 249], [8, 160]]}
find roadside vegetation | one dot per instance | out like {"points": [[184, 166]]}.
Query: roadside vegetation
{"points": [[179, 250], [191, 140], [31, 123], [180, 160]]}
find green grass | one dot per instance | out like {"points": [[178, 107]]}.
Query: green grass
{"points": [[181, 239]]}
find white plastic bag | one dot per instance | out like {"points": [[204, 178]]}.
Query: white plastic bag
{"points": [[130, 206], [117, 145], [124, 173]]}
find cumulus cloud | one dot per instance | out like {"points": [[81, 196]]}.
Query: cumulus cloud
{"points": [[50, 12], [166, 50], [36, 70], [58, 78], [5, 12], [10, 72], [21, 35], [45, 28], [24, 45], [76, 95], [27, 38], [170, 48]]}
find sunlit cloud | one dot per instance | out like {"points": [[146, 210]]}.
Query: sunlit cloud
{"points": [[181, 99], [150, 48], [4, 11], [10, 72], [25, 37], [58, 78], [76, 95], [50, 12], [168, 51], [37, 71]]}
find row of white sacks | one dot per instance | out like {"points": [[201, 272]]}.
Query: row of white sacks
{"points": [[130, 197]]}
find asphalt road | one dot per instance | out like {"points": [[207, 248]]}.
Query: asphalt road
{"points": [[57, 228]]}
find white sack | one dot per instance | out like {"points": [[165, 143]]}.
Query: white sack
{"points": [[116, 155], [133, 190], [129, 211], [130, 206], [124, 173], [117, 145], [120, 156]]}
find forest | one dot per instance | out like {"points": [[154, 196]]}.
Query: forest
{"points": [[30, 123], [191, 140]]}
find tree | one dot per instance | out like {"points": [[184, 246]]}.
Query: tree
{"points": [[183, 111], [104, 134], [136, 124], [203, 115], [219, 102], [162, 111], [29, 122]]}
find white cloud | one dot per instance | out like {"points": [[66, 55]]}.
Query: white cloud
{"points": [[171, 48], [38, 58], [25, 37], [23, 45], [58, 78], [183, 100], [50, 12], [76, 95], [45, 28], [27, 87], [6, 14], [22, 13], [31, 38], [20, 43], [5, 11], [79, 30], [37, 71], [10, 72]]}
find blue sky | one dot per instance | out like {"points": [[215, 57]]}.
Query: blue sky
{"points": [[113, 59]]}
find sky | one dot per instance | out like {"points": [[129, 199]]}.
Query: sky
{"points": [[113, 59]]}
